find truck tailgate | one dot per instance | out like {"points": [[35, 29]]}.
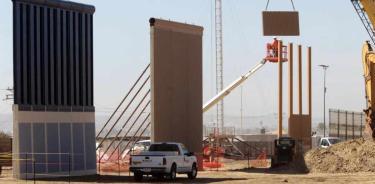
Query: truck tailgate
{"points": [[147, 161]]}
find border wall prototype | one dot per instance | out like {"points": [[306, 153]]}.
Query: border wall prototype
{"points": [[53, 111], [176, 83]]}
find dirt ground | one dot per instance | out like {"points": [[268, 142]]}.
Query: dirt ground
{"points": [[238, 176], [351, 156]]}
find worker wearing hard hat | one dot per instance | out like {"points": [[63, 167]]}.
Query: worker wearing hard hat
{"points": [[272, 48]]}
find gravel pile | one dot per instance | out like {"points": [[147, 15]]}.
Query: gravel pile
{"points": [[346, 157]]}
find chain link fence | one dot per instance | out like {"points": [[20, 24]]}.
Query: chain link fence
{"points": [[346, 124]]}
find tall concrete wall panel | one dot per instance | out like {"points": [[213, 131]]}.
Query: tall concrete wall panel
{"points": [[53, 111], [176, 83]]}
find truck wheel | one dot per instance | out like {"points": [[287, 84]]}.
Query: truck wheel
{"points": [[194, 172], [138, 176], [172, 173]]}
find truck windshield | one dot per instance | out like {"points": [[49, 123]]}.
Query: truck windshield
{"points": [[164, 147], [334, 141]]}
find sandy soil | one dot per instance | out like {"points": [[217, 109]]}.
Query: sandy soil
{"points": [[356, 155]]}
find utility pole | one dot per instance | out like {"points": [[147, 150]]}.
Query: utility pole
{"points": [[325, 67], [219, 62], [241, 112]]}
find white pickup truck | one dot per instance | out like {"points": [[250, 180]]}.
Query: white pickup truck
{"points": [[164, 159]]}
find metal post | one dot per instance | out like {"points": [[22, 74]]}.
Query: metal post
{"points": [[309, 94], [338, 123], [290, 60], [346, 125], [324, 97], [280, 63], [300, 79], [352, 125], [309, 82], [329, 122], [118, 159], [241, 111], [324, 103]]}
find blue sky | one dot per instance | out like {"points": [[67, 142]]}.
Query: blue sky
{"points": [[122, 49]]}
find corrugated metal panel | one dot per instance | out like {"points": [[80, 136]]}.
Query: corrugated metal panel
{"points": [[53, 49], [280, 23]]}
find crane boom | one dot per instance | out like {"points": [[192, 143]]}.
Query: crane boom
{"points": [[222, 94]]}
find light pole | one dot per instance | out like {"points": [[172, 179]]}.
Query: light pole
{"points": [[324, 98]]}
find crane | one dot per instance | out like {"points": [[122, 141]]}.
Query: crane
{"points": [[366, 11], [270, 57], [226, 91]]}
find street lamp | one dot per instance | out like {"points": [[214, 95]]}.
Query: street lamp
{"points": [[324, 98]]}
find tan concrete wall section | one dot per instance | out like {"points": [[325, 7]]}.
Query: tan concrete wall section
{"points": [[176, 83]]}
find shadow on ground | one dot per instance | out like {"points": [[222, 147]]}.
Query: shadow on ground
{"points": [[297, 166], [130, 179]]}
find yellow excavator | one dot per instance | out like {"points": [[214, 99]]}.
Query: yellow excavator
{"points": [[366, 12]]}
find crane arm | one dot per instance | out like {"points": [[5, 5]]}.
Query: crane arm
{"points": [[222, 94]]}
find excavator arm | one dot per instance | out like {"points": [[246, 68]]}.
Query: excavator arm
{"points": [[366, 12], [368, 61]]}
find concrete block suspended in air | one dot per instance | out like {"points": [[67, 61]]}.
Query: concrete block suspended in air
{"points": [[280, 23]]}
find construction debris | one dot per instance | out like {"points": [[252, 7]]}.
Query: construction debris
{"points": [[356, 155]]}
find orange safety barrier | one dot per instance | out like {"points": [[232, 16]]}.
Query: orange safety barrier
{"points": [[213, 164]]}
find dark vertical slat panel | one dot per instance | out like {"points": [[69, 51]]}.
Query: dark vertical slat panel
{"points": [[52, 57], [76, 61], [17, 53], [71, 59], [45, 28], [92, 60], [64, 59], [38, 57], [58, 67], [89, 60], [24, 57], [83, 60], [31, 58]]}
